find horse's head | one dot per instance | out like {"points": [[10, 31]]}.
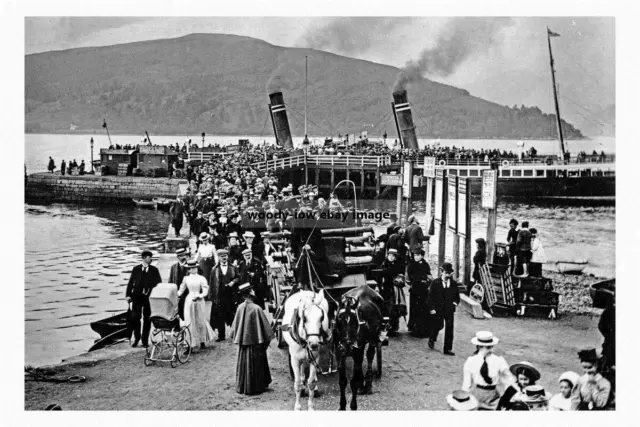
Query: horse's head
{"points": [[348, 323], [313, 319]]}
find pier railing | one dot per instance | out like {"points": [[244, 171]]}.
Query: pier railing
{"points": [[419, 163], [328, 160]]}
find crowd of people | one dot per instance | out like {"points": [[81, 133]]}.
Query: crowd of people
{"points": [[235, 210]]}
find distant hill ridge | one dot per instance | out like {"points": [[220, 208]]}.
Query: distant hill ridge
{"points": [[217, 83]]}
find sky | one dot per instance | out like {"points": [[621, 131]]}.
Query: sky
{"points": [[504, 60]]}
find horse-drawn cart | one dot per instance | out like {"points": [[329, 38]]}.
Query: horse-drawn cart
{"points": [[347, 244]]}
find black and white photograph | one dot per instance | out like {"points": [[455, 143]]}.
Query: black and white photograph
{"points": [[324, 211]]}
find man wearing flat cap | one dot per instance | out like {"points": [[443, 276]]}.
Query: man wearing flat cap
{"points": [[224, 280], [144, 277], [442, 301]]}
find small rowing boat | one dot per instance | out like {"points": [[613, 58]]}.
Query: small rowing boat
{"points": [[162, 202], [111, 329], [571, 266], [145, 203], [602, 292]]}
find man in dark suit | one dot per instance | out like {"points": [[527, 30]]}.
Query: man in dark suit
{"points": [[176, 275], [224, 281], [144, 277], [176, 211], [442, 302]]}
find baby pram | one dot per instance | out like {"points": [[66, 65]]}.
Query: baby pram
{"points": [[170, 334]]}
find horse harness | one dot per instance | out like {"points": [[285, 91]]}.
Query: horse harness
{"points": [[293, 331]]}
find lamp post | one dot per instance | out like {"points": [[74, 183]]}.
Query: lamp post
{"points": [[202, 139], [91, 154]]}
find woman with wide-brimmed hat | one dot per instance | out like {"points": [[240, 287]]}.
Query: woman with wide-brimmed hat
{"points": [[194, 307], [485, 371], [526, 375], [206, 255]]}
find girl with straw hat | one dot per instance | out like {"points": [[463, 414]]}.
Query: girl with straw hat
{"points": [[485, 371], [526, 375]]}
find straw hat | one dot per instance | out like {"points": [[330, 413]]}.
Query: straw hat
{"points": [[192, 263], [461, 400], [534, 374], [392, 252], [204, 236], [484, 339], [248, 234], [535, 394]]}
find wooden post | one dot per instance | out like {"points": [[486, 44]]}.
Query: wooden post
{"points": [[306, 174], [493, 211], [378, 181], [361, 180], [348, 173], [441, 205], [428, 205], [333, 178], [452, 215], [318, 178], [467, 242], [399, 205]]}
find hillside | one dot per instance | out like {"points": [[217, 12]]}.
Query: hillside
{"points": [[218, 84]]}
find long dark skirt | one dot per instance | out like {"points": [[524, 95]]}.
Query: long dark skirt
{"points": [[252, 371], [206, 265], [419, 316]]}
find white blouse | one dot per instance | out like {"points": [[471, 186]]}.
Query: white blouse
{"points": [[537, 251], [196, 284], [498, 372], [206, 251], [560, 403]]}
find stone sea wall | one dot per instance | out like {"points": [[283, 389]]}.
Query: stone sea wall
{"points": [[98, 189]]}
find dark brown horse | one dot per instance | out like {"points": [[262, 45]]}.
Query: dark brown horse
{"points": [[358, 323]]}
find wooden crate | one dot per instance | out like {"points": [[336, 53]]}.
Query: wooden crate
{"points": [[122, 169], [497, 285]]}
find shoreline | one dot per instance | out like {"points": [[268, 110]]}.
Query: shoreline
{"points": [[119, 380]]}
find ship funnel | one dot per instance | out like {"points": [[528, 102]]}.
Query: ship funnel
{"points": [[404, 120], [280, 121]]}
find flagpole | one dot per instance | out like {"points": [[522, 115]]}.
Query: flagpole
{"points": [[555, 94]]}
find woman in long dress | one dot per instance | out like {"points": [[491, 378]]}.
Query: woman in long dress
{"points": [[194, 307], [206, 257]]}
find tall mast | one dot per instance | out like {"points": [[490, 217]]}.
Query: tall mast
{"points": [[305, 96], [555, 93]]}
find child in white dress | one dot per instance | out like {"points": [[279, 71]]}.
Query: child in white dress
{"points": [[562, 400]]}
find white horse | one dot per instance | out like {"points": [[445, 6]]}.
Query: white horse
{"points": [[305, 323]]}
